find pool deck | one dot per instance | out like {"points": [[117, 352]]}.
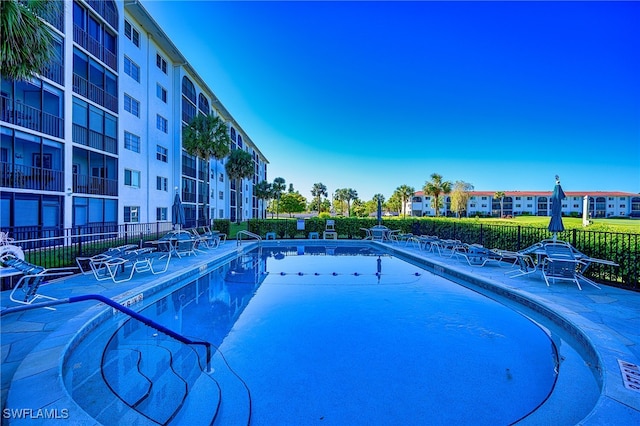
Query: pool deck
{"points": [[34, 342]]}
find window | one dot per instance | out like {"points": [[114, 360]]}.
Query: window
{"points": [[221, 195], [161, 123], [131, 178], [161, 153], [161, 92], [161, 213], [131, 214], [131, 142], [131, 105], [162, 183], [161, 63], [131, 69], [131, 33], [221, 179]]}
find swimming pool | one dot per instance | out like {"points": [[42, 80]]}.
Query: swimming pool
{"points": [[345, 335]]}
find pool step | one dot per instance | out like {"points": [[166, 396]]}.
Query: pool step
{"points": [[202, 403]]}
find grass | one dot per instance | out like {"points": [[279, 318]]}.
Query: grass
{"points": [[612, 225]]}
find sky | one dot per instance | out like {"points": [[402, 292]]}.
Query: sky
{"points": [[374, 95]]}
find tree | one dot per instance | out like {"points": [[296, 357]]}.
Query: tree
{"points": [[499, 195], [263, 191], [435, 187], [460, 196], [348, 195], [239, 166], [394, 203], [318, 190], [405, 192], [26, 42], [279, 185], [292, 202], [206, 136]]}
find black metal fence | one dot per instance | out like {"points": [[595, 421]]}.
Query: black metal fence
{"points": [[621, 248], [54, 247]]}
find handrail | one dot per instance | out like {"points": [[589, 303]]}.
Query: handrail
{"points": [[123, 309], [248, 234]]}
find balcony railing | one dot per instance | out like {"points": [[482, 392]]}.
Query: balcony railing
{"points": [[95, 47], [83, 136], [32, 118], [84, 184], [105, 10], [54, 71], [28, 177], [84, 88]]}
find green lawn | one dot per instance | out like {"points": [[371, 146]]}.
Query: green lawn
{"points": [[613, 225]]}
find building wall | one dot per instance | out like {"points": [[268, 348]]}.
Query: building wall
{"points": [[97, 162], [537, 203]]}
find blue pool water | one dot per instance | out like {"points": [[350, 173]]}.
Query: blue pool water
{"points": [[338, 335]]}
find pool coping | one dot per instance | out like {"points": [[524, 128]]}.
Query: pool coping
{"points": [[615, 404]]}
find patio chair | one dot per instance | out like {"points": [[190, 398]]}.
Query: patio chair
{"points": [[202, 239], [392, 235], [184, 243], [560, 264], [218, 236], [477, 255], [367, 233], [141, 260], [379, 233], [88, 264], [330, 230], [429, 243], [26, 289], [452, 245]]}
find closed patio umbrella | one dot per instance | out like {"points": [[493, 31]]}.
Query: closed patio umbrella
{"points": [[555, 224], [177, 212], [379, 212]]}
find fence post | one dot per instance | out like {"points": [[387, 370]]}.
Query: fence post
{"points": [[574, 237], [481, 235], [519, 240], [126, 233], [79, 241]]}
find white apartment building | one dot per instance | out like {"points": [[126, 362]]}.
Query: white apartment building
{"points": [[536, 203], [95, 139]]}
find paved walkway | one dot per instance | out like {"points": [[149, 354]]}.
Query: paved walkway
{"points": [[34, 342]]}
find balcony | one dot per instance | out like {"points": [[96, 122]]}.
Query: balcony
{"points": [[83, 136], [95, 47], [54, 71], [83, 184], [90, 91], [29, 177], [32, 118], [106, 10]]}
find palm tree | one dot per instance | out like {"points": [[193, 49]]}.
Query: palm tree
{"points": [[499, 195], [279, 185], [349, 195], [405, 192], [318, 190], [239, 166], [206, 136], [26, 42], [435, 187], [263, 191]]}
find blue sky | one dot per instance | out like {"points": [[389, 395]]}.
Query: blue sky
{"points": [[374, 95]]}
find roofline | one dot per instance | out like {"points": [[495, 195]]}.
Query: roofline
{"points": [[138, 11], [547, 193]]}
